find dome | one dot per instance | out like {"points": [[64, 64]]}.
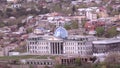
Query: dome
{"points": [[61, 32]]}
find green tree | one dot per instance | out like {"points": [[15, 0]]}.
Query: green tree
{"points": [[46, 67], [100, 31], [1, 13], [99, 65], [21, 11], [67, 27], [60, 66], [20, 24], [111, 32], [112, 60], [14, 40], [21, 48], [74, 24], [73, 9], [57, 7], [44, 11], [78, 62], [83, 21], [29, 30], [2, 24], [9, 12]]}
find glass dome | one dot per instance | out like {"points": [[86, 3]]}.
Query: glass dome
{"points": [[61, 32]]}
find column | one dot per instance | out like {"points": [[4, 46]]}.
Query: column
{"points": [[57, 48], [60, 48], [53, 48], [28, 48]]}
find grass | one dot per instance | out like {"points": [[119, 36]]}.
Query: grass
{"points": [[23, 57], [27, 57]]}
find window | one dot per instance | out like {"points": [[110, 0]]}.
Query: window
{"points": [[46, 47], [37, 62], [50, 63], [30, 42], [31, 62], [47, 63], [44, 63], [87, 39], [35, 47], [27, 62]]}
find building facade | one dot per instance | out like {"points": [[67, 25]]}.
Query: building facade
{"points": [[106, 46], [43, 62], [60, 44]]}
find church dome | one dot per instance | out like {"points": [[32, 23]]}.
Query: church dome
{"points": [[61, 32]]}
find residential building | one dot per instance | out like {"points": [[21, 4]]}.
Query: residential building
{"points": [[90, 13]]}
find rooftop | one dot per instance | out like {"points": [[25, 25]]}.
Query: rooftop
{"points": [[107, 41]]}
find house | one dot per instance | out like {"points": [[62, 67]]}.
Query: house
{"points": [[90, 13], [1, 51], [92, 25], [7, 49], [15, 5], [12, 1]]}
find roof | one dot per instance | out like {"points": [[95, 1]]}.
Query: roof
{"points": [[107, 41], [61, 32]]}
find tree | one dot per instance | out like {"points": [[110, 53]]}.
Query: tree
{"points": [[44, 11], [113, 60], [2, 24], [21, 48], [67, 27], [9, 12], [83, 21], [100, 31], [111, 32], [46, 67], [73, 9], [57, 8], [29, 30], [1, 13], [14, 40], [99, 65], [74, 24], [60, 66], [20, 24], [78, 62], [21, 11]]}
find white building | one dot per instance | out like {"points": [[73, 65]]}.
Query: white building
{"points": [[101, 48], [106, 46], [15, 6], [90, 13], [60, 44], [11, 0]]}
